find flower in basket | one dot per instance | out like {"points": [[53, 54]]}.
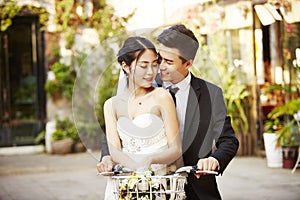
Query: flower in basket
{"points": [[139, 187]]}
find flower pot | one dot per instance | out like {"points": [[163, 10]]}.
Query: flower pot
{"points": [[273, 153], [289, 156], [62, 146], [79, 147]]}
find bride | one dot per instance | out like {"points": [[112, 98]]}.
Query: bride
{"points": [[142, 129]]}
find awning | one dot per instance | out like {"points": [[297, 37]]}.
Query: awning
{"points": [[293, 15], [268, 14], [264, 15], [273, 11]]}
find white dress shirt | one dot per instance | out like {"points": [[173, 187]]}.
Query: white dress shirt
{"points": [[181, 99]]}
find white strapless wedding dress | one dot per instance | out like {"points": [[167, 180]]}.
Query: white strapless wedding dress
{"points": [[140, 137]]}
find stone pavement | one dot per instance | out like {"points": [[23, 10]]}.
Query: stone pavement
{"points": [[73, 177]]}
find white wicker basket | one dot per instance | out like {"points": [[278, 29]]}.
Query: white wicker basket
{"points": [[140, 187]]}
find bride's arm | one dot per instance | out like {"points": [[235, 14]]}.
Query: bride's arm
{"points": [[112, 136], [169, 115]]}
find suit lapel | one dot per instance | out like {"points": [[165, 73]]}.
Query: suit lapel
{"points": [[192, 115], [198, 116]]}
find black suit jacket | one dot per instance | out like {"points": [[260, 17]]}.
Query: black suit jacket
{"points": [[206, 124]]}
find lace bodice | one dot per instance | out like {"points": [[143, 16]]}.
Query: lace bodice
{"points": [[143, 135], [140, 137]]}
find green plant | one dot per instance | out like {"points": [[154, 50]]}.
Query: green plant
{"points": [[64, 80], [287, 130], [281, 88], [235, 95], [70, 23], [272, 125], [211, 61], [9, 9], [52, 88], [65, 129], [40, 138]]}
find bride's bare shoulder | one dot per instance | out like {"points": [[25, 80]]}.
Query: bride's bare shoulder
{"points": [[113, 100], [162, 93], [160, 89]]}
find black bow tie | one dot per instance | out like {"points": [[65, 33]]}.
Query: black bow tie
{"points": [[173, 91]]}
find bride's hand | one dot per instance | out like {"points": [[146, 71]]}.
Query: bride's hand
{"points": [[134, 163], [143, 163], [105, 165]]}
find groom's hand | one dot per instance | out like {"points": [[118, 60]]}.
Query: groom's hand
{"points": [[105, 165], [209, 163]]}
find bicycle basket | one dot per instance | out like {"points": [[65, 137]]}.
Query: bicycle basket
{"points": [[142, 187]]}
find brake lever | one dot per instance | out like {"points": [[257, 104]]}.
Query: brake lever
{"points": [[117, 169]]}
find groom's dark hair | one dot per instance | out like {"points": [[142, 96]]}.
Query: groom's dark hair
{"points": [[181, 38]]}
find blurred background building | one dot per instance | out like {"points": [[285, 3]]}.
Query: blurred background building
{"points": [[248, 48]]}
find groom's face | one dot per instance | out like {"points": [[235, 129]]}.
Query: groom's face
{"points": [[172, 68]]}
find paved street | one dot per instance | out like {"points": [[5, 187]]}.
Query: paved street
{"points": [[73, 177]]}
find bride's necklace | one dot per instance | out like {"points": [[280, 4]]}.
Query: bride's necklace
{"points": [[137, 99]]}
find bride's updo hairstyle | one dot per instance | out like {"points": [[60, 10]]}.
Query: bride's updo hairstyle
{"points": [[133, 48]]}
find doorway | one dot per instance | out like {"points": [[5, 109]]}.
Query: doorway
{"points": [[22, 68]]}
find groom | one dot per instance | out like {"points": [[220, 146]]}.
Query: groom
{"points": [[201, 113]]}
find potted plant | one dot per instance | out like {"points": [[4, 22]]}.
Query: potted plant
{"points": [[64, 137], [273, 152], [288, 132]]}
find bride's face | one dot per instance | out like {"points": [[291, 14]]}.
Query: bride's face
{"points": [[144, 70]]}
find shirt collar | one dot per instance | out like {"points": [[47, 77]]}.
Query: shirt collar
{"points": [[182, 85]]}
